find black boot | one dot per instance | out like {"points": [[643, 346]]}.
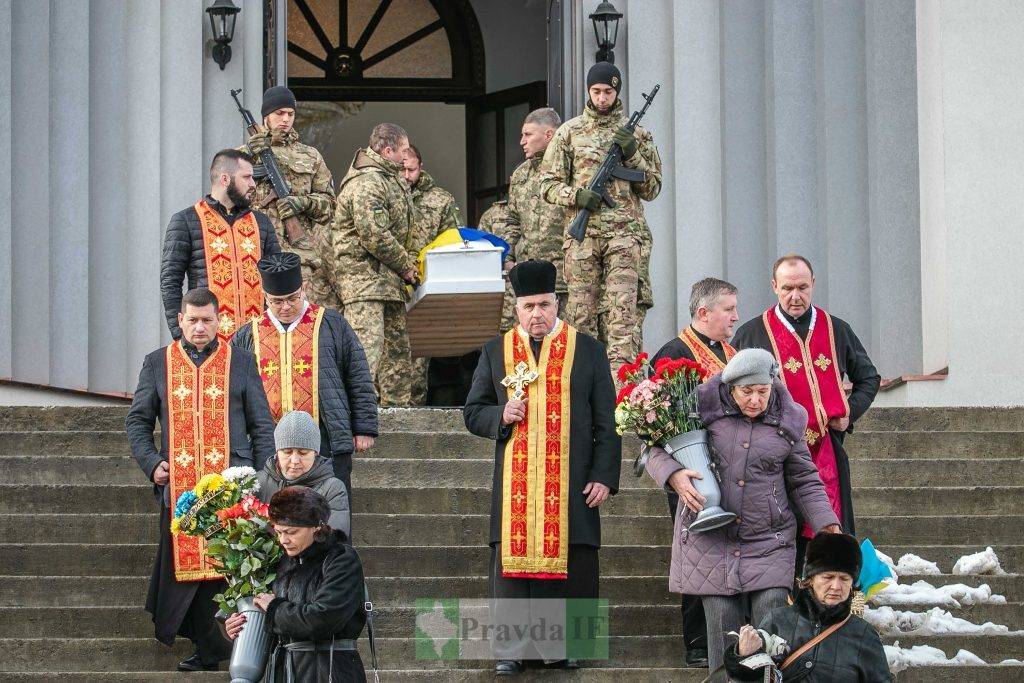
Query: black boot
{"points": [[195, 663], [697, 658], [508, 667]]}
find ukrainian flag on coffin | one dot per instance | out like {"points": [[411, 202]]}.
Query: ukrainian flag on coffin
{"points": [[456, 235], [873, 572]]}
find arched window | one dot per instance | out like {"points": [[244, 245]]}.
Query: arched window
{"points": [[384, 50]]}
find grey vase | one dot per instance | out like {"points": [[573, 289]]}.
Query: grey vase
{"points": [[691, 450], [249, 653]]}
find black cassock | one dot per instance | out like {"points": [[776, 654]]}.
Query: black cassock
{"points": [[595, 454], [186, 608], [856, 366]]}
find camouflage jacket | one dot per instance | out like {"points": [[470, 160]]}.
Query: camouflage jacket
{"points": [[436, 211], [367, 244], [494, 219], [574, 155], [534, 227], [307, 175]]}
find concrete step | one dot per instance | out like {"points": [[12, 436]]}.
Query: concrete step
{"points": [[93, 418], [138, 654], [41, 470], [99, 505], [458, 443]]}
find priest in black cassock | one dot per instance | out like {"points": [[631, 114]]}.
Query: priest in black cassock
{"points": [[544, 393], [705, 340], [213, 415], [815, 351]]}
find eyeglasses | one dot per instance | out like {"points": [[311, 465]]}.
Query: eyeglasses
{"points": [[280, 301]]}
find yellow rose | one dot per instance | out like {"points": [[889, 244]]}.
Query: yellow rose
{"points": [[209, 482]]}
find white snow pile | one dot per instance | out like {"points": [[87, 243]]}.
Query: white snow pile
{"points": [[935, 621], [923, 593], [985, 562], [924, 655], [1010, 662], [887, 560], [911, 564]]}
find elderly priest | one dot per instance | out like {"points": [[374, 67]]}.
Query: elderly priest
{"points": [[213, 414], [544, 393], [310, 359]]}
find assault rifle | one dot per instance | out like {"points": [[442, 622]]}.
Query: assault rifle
{"points": [[610, 168], [271, 171]]}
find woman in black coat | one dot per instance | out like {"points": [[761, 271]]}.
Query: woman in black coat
{"points": [[316, 610], [853, 653]]}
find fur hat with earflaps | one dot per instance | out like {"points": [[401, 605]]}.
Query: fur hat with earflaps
{"points": [[833, 553], [299, 506]]}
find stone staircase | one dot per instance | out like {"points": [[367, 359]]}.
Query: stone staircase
{"points": [[77, 527]]}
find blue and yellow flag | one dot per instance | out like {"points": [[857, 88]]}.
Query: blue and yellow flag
{"points": [[456, 235], [873, 571]]}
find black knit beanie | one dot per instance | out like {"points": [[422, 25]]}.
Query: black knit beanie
{"points": [[606, 74], [278, 97]]}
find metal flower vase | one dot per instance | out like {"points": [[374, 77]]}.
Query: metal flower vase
{"points": [[691, 450], [249, 654]]}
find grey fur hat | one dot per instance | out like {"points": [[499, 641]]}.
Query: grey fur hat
{"points": [[751, 366], [297, 430]]}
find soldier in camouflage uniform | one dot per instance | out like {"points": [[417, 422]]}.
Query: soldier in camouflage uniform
{"points": [[436, 212], [494, 220], [534, 228], [371, 262], [603, 271], [309, 179]]}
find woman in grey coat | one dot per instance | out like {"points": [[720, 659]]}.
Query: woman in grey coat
{"points": [[298, 463], [757, 441]]}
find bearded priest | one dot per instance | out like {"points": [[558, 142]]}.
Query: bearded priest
{"points": [[815, 351], [543, 391], [213, 414]]}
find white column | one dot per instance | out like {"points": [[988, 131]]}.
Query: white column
{"points": [[6, 194]]}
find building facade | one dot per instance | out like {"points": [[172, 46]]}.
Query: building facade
{"points": [[881, 139]]}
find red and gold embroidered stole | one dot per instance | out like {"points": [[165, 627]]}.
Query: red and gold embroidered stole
{"points": [[535, 476], [289, 363], [811, 374], [198, 441], [703, 354], [232, 252]]}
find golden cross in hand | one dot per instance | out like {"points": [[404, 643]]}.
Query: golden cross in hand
{"points": [[522, 376]]}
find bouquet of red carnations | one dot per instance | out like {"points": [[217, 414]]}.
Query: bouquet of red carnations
{"points": [[661, 402]]}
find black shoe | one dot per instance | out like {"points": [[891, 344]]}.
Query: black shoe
{"points": [[697, 658], [562, 664], [508, 667], [195, 663]]}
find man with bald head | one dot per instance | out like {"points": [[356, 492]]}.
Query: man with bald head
{"points": [[815, 351]]}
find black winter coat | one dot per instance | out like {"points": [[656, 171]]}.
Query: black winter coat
{"points": [[319, 597], [183, 253], [853, 654], [348, 401]]}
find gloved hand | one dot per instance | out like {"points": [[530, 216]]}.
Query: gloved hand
{"points": [[627, 141], [292, 205], [259, 143], [587, 199]]}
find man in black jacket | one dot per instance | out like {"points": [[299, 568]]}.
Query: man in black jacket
{"points": [[310, 359], [217, 243], [213, 415]]}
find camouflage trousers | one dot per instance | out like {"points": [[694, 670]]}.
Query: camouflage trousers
{"points": [[418, 390], [602, 276], [380, 326]]}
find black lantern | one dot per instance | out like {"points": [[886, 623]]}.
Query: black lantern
{"points": [[222, 23], [606, 30]]}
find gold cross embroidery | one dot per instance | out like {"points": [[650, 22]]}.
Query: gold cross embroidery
{"points": [[248, 245], [214, 392], [822, 362], [518, 536], [269, 368], [522, 376], [301, 366], [811, 437], [226, 323], [553, 417], [214, 457], [182, 392], [551, 538], [183, 459], [793, 365], [552, 498], [219, 245], [519, 498], [558, 345]]}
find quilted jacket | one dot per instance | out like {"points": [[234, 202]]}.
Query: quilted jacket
{"points": [[765, 470], [184, 254]]}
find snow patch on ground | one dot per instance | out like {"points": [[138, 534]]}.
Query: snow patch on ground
{"points": [[985, 562], [911, 564], [888, 561], [924, 655], [1010, 662], [935, 621], [923, 593]]}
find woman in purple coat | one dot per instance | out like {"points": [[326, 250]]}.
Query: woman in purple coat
{"points": [[745, 569]]}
